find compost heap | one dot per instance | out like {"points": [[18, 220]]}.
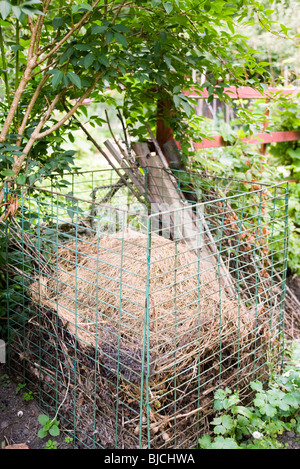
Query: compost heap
{"points": [[104, 306]]}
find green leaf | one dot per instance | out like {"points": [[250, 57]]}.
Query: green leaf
{"points": [[5, 8], [224, 443], [83, 47], [256, 385], [294, 153], [109, 36], [84, 7], [187, 107], [75, 79], [16, 47], [121, 39], [205, 442], [57, 22], [176, 100], [30, 11], [17, 11], [21, 179], [88, 60], [42, 433], [8, 173], [168, 7], [121, 27], [243, 411], [43, 419], [103, 60], [66, 55], [56, 78], [54, 430], [269, 410], [98, 29]]}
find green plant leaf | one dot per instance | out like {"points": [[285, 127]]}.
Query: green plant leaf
{"points": [[224, 443], [8, 173], [57, 77], [109, 35], [83, 47], [42, 433], [17, 11], [54, 430], [57, 22], [121, 39], [168, 7], [98, 29], [43, 419], [256, 385], [88, 60], [205, 442], [103, 60], [121, 27], [5, 8], [75, 79]]}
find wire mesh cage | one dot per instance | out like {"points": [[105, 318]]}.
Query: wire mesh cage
{"points": [[128, 315]]}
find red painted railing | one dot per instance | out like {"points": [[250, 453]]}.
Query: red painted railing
{"points": [[248, 93]]}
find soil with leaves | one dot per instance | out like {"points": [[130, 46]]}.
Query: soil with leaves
{"points": [[21, 420]]}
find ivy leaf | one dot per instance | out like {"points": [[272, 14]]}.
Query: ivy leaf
{"points": [[75, 79], [5, 8]]}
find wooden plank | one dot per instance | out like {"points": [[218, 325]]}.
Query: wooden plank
{"points": [[181, 215], [244, 92]]}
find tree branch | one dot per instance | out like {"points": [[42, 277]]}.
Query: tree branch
{"points": [[30, 107], [18, 94]]}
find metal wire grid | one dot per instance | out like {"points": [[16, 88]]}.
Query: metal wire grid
{"points": [[122, 370]]}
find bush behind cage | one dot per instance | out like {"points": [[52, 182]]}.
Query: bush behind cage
{"points": [[124, 329]]}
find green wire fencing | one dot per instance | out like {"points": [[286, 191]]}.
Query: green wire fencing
{"points": [[132, 311]]}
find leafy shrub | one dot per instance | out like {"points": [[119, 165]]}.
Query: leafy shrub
{"points": [[272, 411]]}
